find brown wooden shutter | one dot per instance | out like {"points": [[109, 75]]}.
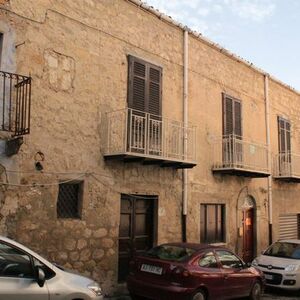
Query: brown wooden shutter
{"points": [[137, 84], [154, 103], [237, 118], [284, 135], [232, 116], [144, 90]]}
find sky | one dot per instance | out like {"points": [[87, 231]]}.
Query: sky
{"points": [[263, 32]]}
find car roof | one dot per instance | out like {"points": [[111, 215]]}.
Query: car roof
{"points": [[194, 246]]}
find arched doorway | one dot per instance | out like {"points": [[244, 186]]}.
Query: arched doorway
{"points": [[248, 224]]}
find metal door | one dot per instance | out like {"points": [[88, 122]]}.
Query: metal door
{"points": [[248, 238], [136, 232]]}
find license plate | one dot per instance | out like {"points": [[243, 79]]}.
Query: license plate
{"points": [[151, 269], [269, 277]]}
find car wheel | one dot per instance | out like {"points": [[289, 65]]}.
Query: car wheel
{"points": [[199, 295], [256, 291]]}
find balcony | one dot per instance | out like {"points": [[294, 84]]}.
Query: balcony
{"points": [[287, 167], [150, 139], [233, 155], [15, 97]]}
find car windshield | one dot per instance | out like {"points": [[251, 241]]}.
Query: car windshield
{"points": [[284, 249], [169, 252]]}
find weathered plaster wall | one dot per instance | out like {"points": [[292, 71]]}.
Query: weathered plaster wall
{"points": [[76, 53]]}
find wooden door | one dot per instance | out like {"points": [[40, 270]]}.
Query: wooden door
{"points": [[248, 237], [136, 232]]}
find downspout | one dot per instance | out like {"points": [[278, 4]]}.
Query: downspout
{"points": [[185, 124], [270, 201]]}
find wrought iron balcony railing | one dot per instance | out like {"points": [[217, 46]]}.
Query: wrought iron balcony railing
{"points": [[234, 155], [134, 133], [15, 98], [287, 166]]}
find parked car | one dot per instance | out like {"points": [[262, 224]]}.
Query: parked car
{"points": [[26, 275], [281, 264], [183, 271]]}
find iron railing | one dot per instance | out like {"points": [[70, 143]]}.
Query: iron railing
{"points": [[144, 134], [287, 165], [15, 98], [233, 151]]}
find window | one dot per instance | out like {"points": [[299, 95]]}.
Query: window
{"points": [[232, 116], [212, 223], [144, 103], [144, 86], [208, 261], [69, 200], [228, 260], [284, 132], [14, 263]]}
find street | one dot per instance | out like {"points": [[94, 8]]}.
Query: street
{"points": [[276, 294], [270, 294]]}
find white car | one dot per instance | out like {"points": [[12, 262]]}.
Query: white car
{"points": [[281, 264], [25, 275]]}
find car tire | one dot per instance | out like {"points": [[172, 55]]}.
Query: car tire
{"points": [[256, 291], [199, 295]]}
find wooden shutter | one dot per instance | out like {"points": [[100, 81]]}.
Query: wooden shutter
{"points": [[144, 86], [288, 226], [137, 84], [284, 135], [232, 116]]}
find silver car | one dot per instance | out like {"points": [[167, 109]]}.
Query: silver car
{"points": [[281, 264], [25, 275]]}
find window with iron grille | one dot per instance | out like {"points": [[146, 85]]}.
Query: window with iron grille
{"points": [[69, 200], [212, 223]]}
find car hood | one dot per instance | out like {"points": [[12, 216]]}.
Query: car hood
{"points": [[276, 261]]}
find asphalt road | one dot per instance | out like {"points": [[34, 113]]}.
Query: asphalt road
{"points": [[276, 294], [270, 294]]}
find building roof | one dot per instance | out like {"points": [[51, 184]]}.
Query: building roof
{"points": [[207, 41]]}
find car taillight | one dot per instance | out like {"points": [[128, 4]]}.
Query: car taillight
{"points": [[180, 273]]}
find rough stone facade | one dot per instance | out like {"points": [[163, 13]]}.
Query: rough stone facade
{"points": [[76, 53]]}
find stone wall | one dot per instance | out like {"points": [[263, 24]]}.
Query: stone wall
{"points": [[76, 53]]}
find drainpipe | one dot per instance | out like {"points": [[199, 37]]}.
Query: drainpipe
{"points": [[185, 124], [270, 206]]}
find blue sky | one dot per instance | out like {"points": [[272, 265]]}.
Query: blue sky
{"points": [[264, 32]]}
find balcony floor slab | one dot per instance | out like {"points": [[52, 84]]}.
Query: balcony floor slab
{"points": [[235, 171], [146, 160], [289, 178]]}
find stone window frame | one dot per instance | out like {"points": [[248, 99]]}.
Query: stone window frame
{"points": [[71, 210]]}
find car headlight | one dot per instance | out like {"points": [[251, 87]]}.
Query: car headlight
{"points": [[292, 268], [254, 263], [95, 287]]}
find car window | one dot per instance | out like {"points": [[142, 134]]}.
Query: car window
{"points": [[228, 259], [14, 262], [208, 261], [284, 249], [170, 252], [48, 272]]}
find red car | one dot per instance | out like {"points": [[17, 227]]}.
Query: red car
{"points": [[183, 271]]}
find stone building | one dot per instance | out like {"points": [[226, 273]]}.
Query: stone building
{"points": [[130, 130]]}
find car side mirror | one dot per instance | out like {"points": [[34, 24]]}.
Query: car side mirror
{"points": [[40, 276], [247, 265]]}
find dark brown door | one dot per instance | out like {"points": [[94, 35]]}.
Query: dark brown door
{"points": [[136, 233], [248, 240]]}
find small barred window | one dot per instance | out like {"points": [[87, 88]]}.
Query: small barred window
{"points": [[69, 200]]}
